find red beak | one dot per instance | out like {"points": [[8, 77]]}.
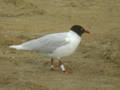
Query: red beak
{"points": [[86, 31]]}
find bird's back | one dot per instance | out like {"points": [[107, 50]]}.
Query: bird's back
{"points": [[46, 44]]}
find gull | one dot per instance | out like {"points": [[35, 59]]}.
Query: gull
{"points": [[56, 45]]}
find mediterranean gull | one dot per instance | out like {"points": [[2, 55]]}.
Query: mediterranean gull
{"points": [[56, 45]]}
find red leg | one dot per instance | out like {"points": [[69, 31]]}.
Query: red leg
{"points": [[52, 65], [63, 68]]}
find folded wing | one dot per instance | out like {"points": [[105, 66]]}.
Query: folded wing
{"points": [[46, 44]]}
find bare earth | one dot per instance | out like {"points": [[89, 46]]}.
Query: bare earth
{"points": [[95, 64]]}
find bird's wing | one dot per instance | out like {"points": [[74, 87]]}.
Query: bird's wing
{"points": [[47, 44]]}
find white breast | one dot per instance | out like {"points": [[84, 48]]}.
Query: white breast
{"points": [[68, 49]]}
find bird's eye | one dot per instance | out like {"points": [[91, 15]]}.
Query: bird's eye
{"points": [[82, 29]]}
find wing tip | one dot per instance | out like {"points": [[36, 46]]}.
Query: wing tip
{"points": [[16, 46]]}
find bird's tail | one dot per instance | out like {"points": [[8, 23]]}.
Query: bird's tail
{"points": [[18, 47]]}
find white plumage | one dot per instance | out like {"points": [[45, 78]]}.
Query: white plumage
{"points": [[55, 45]]}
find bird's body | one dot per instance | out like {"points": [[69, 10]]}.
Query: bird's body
{"points": [[55, 45], [72, 40]]}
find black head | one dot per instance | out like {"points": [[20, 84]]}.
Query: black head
{"points": [[79, 29]]}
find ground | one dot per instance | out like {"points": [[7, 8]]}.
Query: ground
{"points": [[96, 62]]}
